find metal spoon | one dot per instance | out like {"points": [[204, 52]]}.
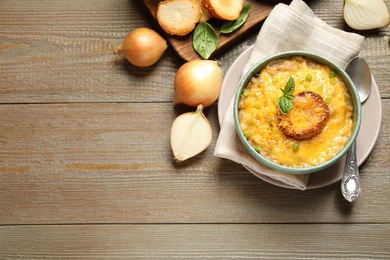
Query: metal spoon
{"points": [[360, 73]]}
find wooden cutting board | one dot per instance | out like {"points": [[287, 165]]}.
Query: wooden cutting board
{"points": [[183, 44]]}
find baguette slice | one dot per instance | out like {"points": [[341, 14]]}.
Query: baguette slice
{"points": [[306, 118], [205, 14], [178, 17], [224, 9]]}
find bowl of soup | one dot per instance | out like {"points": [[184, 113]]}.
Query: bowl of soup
{"points": [[297, 112]]}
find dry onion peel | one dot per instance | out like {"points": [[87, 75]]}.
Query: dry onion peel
{"points": [[198, 82], [142, 47], [366, 14], [191, 134]]}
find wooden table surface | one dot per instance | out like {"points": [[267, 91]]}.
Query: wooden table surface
{"points": [[86, 170]]}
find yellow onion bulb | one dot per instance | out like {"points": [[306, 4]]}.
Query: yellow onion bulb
{"points": [[142, 47], [198, 82]]}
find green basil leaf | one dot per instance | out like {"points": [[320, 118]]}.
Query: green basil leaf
{"points": [[205, 39], [289, 95], [290, 86], [284, 104], [230, 26]]}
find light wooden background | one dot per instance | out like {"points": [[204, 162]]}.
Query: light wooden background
{"points": [[85, 163]]}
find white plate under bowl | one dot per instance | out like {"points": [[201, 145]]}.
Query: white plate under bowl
{"points": [[365, 142]]}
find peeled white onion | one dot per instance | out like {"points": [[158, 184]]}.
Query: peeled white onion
{"points": [[142, 47], [191, 134], [366, 14], [198, 82]]}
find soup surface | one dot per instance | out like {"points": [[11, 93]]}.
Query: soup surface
{"points": [[258, 113]]}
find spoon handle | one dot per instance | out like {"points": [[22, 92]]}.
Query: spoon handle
{"points": [[350, 183]]}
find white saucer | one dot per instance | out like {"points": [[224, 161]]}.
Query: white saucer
{"points": [[365, 142]]}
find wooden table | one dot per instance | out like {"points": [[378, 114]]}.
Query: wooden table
{"points": [[85, 162]]}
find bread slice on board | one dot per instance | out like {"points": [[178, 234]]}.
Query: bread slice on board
{"points": [[224, 9], [205, 14], [178, 17]]}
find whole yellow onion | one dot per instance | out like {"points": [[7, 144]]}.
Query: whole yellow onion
{"points": [[198, 82], [142, 47]]}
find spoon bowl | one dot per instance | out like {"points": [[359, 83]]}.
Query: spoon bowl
{"points": [[359, 71]]}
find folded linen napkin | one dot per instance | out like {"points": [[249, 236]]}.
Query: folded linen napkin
{"points": [[288, 27]]}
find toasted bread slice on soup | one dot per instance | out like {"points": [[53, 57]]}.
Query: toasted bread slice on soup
{"points": [[178, 17], [224, 9], [306, 118]]}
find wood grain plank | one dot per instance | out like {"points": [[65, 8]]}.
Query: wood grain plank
{"points": [[65, 53], [111, 163], [196, 241]]}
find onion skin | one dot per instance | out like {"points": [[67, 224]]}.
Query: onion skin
{"points": [[198, 82], [142, 47]]}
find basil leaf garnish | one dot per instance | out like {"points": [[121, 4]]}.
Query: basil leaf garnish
{"points": [[285, 102], [290, 86], [230, 26], [205, 39]]}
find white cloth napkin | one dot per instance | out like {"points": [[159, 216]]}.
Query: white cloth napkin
{"points": [[288, 27]]}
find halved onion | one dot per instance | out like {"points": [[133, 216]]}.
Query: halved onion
{"points": [[366, 14]]}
